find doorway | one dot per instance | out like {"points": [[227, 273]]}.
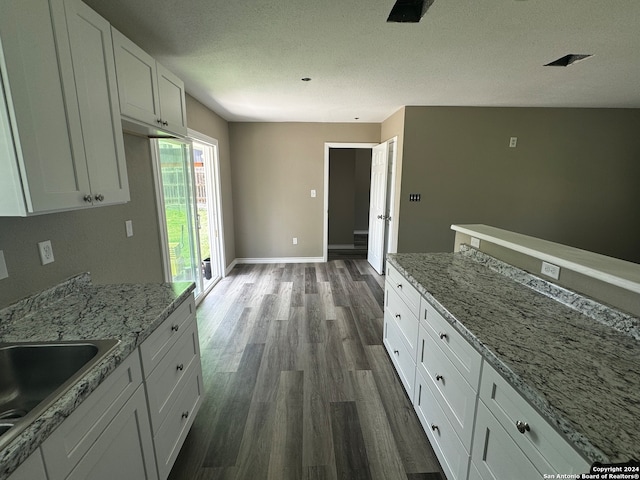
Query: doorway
{"points": [[188, 197]]}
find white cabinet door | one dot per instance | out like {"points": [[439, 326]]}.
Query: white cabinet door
{"points": [[149, 93], [172, 101], [91, 49], [137, 81], [124, 450], [31, 469], [52, 171]]}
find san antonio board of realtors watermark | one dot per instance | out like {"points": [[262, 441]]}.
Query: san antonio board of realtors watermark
{"points": [[599, 471]]}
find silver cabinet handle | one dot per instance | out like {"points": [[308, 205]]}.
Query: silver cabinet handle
{"points": [[159, 121], [397, 315], [185, 414], [399, 286], [435, 427], [397, 352], [439, 377], [442, 335], [174, 328], [522, 426], [165, 123], [180, 367], [99, 197]]}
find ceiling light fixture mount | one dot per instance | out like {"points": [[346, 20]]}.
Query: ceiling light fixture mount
{"points": [[568, 60], [409, 11], [306, 79]]}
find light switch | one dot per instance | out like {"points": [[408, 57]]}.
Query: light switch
{"points": [[3, 266], [128, 225], [313, 194]]}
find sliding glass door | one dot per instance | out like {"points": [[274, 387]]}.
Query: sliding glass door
{"points": [[187, 187]]}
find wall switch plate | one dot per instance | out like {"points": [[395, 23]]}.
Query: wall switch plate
{"points": [[128, 225], [475, 242], [3, 266], [295, 240], [550, 270], [46, 252], [513, 142], [313, 194]]}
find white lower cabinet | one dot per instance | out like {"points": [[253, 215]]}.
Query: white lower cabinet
{"points": [[31, 469], [108, 435], [479, 426], [173, 380]]}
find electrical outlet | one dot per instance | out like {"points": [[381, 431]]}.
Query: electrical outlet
{"points": [[295, 240], [46, 252], [414, 197], [3, 266], [550, 270], [475, 242], [128, 225]]}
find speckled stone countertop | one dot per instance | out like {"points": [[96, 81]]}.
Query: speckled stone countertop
{"points": [[579, 366], [79, 310]]}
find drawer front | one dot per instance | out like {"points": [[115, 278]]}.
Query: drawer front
{"points": [[404, 289], [545, 447], [465, 358], [171, 435], [454, 395], [395, 309], [495, 455], [166, 381], [162, 339], [400, 356], [72, 439], [453, 456]]}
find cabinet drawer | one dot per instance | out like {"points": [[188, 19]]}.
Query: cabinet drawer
{"points": [[162, 339], [397, 311], [495, 455], [402, 360], [543, 445], [454, 395], [453, 456], [171, 435], [72, 439], [465, 358], [166, 381], [404, 289]]}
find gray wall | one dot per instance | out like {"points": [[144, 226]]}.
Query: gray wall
{"points": [[275, 166], [92, 240], [573, 178]]}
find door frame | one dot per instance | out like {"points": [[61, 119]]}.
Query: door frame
{"points": [[327, 147]]}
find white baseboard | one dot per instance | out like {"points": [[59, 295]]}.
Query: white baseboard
{"points": [[230, 267], [278, 260]]}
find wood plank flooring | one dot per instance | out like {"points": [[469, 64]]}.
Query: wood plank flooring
{"points": [[297, 382]]}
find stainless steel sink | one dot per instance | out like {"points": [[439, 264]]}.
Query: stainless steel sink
{"points": [[34, 375]]}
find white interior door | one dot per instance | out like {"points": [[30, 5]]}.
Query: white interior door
{"points": [[377, 208]]}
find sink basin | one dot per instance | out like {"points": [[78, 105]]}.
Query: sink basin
{"points": [[34, 375]]}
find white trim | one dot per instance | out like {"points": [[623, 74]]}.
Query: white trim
{"points": [[327, 147], [280, 260], [162, 221], [231, 266], [607, 269]]}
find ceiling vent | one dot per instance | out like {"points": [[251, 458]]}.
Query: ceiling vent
{"points": [[567, 60], [409, 11]]}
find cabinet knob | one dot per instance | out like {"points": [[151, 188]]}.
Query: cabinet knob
{"points": [[439, 377], [180, 367], [399, 286], [87, 198], [522, 426], [159, 121], [165, 123], [397, 315], [435, 427], [174, 328], [442, 335], [185, 414], [397, 352], [99, 197]]}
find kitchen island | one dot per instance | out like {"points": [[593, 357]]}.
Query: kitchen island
{"points": [[575, 365], [80, 310]]}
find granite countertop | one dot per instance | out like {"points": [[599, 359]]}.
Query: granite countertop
{"points": [[579, 366], [79, 310]]}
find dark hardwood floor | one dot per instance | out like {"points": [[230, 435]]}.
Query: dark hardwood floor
{"points": [[298, 384]]}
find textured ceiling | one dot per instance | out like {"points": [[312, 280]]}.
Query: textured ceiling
{"points": [[245, 58]]}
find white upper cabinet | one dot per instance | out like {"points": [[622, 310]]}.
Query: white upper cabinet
{"points": [[61, 142], [150, 95]]}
